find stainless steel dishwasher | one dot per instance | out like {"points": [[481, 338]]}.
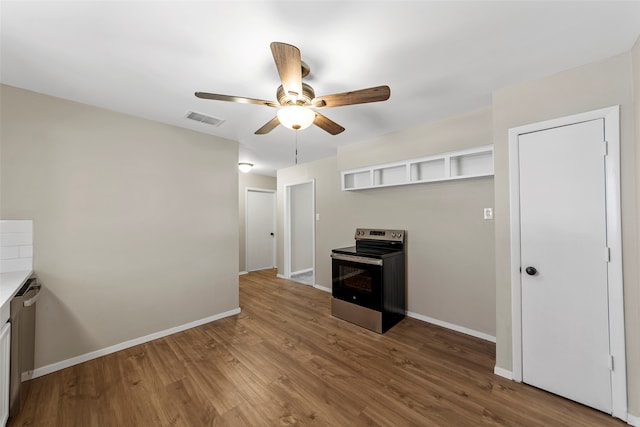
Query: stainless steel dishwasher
{"points": [[23, 326]]}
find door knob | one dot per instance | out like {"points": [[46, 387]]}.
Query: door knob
{"points": [[531, 271]]}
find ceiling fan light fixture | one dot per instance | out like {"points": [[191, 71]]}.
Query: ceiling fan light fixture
{"points": [[245, 167], [295, 98], [296, 117]]}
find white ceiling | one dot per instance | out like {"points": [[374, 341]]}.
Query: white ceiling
{"points": [[147, 58]]}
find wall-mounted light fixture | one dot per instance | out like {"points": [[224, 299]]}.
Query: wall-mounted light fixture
{"points": [[245, 167], [296, 117]]}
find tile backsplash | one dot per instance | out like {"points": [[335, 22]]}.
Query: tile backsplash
{"points": [[16, 245]]}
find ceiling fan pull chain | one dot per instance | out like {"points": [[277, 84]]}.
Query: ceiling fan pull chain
{"points": [[296, 147]]}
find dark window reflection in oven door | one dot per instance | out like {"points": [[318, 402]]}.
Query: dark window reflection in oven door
{"points": [[357, 283]]}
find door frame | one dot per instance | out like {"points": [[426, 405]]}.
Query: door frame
{"points": [[246, 223], [287, 227], [611, 116]]}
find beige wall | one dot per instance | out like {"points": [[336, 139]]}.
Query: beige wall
{"points": [[585, 88], [450, 247], [249, 180], [135, 222]]}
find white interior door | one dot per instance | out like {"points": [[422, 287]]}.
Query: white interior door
{"points": [[261, 228], [565, 319]]}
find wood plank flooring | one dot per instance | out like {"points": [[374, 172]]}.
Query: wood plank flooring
{"points": [[284, 360]]}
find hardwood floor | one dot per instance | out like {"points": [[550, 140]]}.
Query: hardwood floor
{"points": [[284, 360]]}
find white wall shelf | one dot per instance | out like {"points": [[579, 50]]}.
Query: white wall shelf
{"points": [[462, 164]]}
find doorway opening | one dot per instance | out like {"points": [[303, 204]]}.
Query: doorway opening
{"points": [[299, 232]]}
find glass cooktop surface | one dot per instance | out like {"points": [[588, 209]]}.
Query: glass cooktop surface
{"points": [[366, 252]]}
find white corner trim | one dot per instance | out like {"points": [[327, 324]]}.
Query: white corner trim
{"points": [[242, 273], [633, 420], [44, 370], [453, 327], [501, 372], [322, 288]]}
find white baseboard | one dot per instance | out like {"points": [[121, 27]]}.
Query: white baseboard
{"points": [[453, 327], [633, 420], [281, 276], [44, 370], [501, 372], [322, 288], [306, 270], [243, 273]]}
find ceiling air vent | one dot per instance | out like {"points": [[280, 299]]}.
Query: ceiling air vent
{"points": [[199, 117]]}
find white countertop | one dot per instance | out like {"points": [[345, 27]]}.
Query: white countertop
{"points": [[10, 284]]}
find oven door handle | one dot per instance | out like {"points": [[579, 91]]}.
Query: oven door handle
{"points": [[360, 259]]}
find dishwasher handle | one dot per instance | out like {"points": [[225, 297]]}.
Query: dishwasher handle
{"points": [[35, 286]]}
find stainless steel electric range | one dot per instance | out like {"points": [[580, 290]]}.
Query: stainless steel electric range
{"points": [[369, 279]]}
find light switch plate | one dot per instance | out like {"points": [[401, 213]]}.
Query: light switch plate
{"points": [[488, 213]]}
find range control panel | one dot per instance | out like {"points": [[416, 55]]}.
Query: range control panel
{"points": [[380, 234]]}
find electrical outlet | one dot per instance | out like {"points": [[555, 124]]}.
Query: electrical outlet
{"points": [[488, 213], [317, 217]]}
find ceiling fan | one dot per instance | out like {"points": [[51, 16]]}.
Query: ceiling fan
{"points": [[296, 98]]}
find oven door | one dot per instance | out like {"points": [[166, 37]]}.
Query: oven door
{"points": [[357, 280]]}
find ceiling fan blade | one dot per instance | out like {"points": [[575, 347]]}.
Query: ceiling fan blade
{"points": [[362, 96], [327, 124], [289, 65], [240, 99], [268, 127]]}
